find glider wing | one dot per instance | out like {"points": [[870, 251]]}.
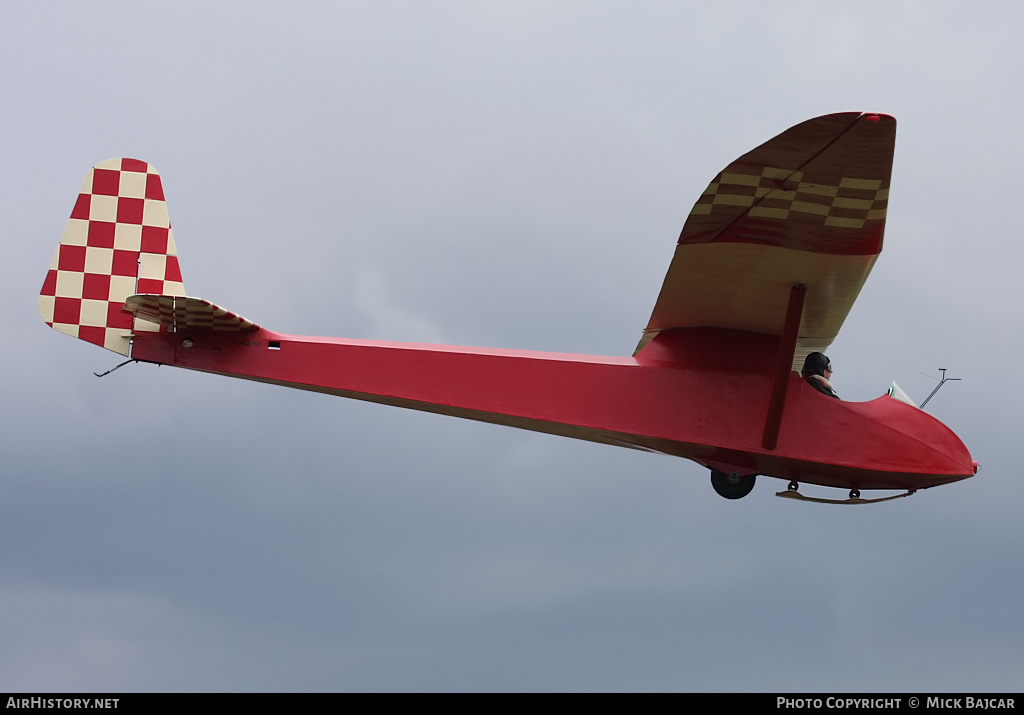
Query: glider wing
{"points": [[805, 208]]}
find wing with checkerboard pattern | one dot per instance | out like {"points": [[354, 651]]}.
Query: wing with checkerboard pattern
{"points": [[805, 208]]}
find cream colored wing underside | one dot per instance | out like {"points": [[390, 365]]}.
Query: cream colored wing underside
{"points": [[805, 208]]}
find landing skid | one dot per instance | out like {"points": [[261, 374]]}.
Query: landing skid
{"points": [[794, 494]]}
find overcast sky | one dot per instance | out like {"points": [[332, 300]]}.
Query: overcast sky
{"points": [[510, 175]]}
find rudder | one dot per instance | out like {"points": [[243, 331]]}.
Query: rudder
{"points": [[117, 243]]}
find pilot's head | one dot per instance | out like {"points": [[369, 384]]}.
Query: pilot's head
{"points": [[816, 364]]}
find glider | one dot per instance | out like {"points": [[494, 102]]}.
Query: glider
{"points": [[768, 265]]}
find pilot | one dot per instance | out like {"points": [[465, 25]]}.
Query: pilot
{"points": [[817, 371]]}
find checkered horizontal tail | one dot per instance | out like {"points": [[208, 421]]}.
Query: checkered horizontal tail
{"points": [[176, 314], [117, 243]]}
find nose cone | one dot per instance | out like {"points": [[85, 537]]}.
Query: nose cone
{"points": [[940, 452], [905, 446]]}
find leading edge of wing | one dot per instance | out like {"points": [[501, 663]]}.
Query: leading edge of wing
{"points": [[176, 313], [806, 207]]}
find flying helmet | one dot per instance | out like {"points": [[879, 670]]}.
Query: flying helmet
{"points": [[816, 364]]}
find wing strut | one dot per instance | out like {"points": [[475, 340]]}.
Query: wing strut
{"points": [[783, 366]]}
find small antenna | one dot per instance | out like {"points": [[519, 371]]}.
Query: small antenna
{"points": [[942, 382]]}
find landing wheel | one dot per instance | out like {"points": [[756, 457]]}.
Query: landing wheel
{"points": [[855, 493], [793, 486], [731, 487]]}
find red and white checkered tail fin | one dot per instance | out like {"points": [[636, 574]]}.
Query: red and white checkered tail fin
{"points": [[117, 243]]}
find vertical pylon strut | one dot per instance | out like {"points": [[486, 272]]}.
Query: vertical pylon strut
{"points": [[783, 366]]}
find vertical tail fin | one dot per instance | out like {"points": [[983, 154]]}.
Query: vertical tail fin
{"points": [[117, 243]]}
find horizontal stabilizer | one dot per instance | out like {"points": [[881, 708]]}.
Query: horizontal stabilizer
{"points": [[177, 313]]}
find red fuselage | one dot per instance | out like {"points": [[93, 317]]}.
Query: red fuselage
{"points": [[698, 393]]}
